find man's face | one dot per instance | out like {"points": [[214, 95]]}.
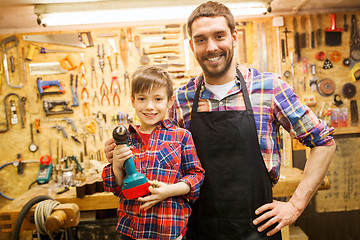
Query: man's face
{"points": [[213, 45]]}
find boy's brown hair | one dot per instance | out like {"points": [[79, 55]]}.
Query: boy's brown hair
{"points": [[147, 78], [211, 9]]}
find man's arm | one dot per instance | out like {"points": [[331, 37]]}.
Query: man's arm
{"points": [[286, 213]]}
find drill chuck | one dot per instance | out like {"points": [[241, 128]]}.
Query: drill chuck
{"points": [[121, 135]]}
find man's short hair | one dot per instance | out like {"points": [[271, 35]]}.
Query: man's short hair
{"points": [[211, 9]]}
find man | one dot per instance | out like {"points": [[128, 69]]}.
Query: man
{"points": [[234, 115]]}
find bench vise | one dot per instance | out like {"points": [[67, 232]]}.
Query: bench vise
{"points": [[47, 84], [50, 104]]}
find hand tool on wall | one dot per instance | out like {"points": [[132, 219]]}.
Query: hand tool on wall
{"points": [[115, 50], [48, 106], [158, 39], [160, 26], [86, 109], [96, 98], [283, 55], [98, 117], [129, 38], [62, 129], [6, 112], [93, 73], [11, 42], [67, 39], [161, 32], [37, 126], [109, 59], [160, 51], [116, 98], [84, 136], [32, 147], [114, 78], [67, 63], [91, 128], [33, 47], [67, 120], [144, 59], [75, 101], [354, 45], [101, 58], [124, 48], [346, 26], [318, 31], [278, 22], [126, 81], [296, 41], [170, 44], [23, 64], [303, 32], [135, 184], [46, 68], [137, 44], [186, 49], [354, 113], [41, 85], [311, 33], [333, 34]]}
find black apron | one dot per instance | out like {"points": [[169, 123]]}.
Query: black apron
{"points": [[236, 179]]}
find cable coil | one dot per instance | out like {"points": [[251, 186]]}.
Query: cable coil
{"points": [[42, 211]]}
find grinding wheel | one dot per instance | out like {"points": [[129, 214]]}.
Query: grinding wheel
{"points": [[348, 90], [326, 87]]}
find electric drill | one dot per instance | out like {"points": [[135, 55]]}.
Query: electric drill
{"points": [[135, 184]]}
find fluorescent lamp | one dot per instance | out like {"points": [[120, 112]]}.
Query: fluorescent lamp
{"points": [[78, 17]]}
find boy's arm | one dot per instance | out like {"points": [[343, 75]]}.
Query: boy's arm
{"points": [[109, 182], [193, 173]]}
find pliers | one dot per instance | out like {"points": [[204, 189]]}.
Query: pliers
{"points": [[116, 96], [126, 79], [93, 73], [114, 78], [96, 98], [104, 95]]}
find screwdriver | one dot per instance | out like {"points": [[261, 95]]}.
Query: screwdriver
{"points": [[37, 125]]}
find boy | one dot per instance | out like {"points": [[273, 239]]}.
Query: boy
{"points": [[162, 152]]}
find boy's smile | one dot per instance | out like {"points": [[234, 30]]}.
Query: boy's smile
{"points": [[151, 107]]}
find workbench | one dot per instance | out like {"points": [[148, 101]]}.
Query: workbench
{"points": [[289, 180]]}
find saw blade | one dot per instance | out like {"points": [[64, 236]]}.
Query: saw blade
{"points": [[69, 39], [47, 68]]}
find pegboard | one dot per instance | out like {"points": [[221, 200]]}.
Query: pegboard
{"points": [[250, 32]]}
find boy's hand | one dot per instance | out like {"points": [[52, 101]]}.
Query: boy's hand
{"points": [[109, 148], [121, 153], [159, 193]]}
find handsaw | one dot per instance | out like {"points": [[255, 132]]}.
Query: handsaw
{"points": [[318, 31], [296, 42], [303, 32], [311, 33], [67, 39]]}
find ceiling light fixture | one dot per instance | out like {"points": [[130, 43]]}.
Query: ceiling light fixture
{"points": [[67, 15]]}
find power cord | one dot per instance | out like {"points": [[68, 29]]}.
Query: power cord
{"points": [[42, 211]]}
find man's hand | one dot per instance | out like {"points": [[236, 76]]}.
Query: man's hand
{"points": [[159, 193], [283, 213], [109, 148]]}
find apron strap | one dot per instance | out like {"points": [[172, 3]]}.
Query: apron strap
{"points": [[243, 89]]}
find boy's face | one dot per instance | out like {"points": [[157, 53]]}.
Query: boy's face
{"points": [[151, 107], [213, 45]]}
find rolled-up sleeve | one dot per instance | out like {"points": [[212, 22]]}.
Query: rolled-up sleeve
{"points": [[193, 173], [109, 181], [299, 119]]}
